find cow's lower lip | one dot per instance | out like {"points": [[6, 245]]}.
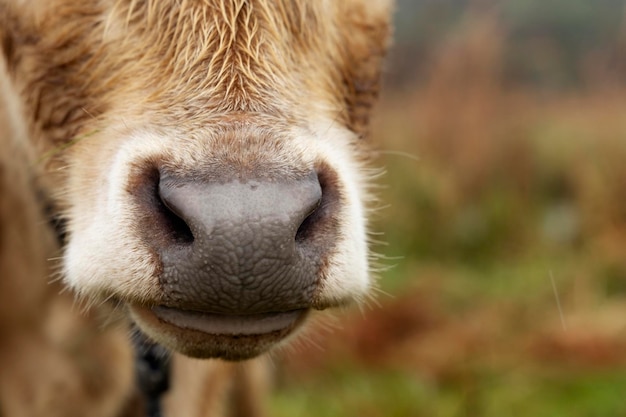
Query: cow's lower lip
{"points": [[213, 335], [228, 325]]}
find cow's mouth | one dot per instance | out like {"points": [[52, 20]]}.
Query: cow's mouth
{"points": [[225, 324], [202, 334]]}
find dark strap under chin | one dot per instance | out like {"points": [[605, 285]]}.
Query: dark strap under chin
{"points": [[152, 367]]}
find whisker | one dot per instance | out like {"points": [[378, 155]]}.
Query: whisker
{"points": [[399, 153], [558, 301]]}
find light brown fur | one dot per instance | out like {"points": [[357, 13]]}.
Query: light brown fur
{"points": [[83, 77], [54, 361], [343, 66]]}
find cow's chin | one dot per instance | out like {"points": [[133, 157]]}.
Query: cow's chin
{"points": [[208, 335]]}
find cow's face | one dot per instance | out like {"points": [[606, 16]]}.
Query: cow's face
{"points": [[210, 160]]}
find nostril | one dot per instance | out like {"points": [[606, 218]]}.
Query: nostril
{"points": [[319, 220], [307, 226], [173, 220]]}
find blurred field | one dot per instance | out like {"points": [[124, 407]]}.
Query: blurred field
{"points": [[506, 226]]}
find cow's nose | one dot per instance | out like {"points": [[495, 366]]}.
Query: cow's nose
{"points": [[239, 247]]}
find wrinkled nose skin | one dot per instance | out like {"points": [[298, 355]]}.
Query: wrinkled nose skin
{"points": [[241, 247]]}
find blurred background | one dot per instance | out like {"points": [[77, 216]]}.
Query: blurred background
{"points": [[502, 128]]}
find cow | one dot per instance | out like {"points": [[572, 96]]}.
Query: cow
{"points": [[203, 164]]}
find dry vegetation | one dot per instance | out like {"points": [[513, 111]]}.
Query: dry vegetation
{"points": [[500, 198]]}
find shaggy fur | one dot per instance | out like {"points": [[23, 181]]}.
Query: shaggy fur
{"points": [[95, 96], [54, 361]]}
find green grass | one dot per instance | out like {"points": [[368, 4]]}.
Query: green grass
{"points": [[493, 393], [350, 391]]}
